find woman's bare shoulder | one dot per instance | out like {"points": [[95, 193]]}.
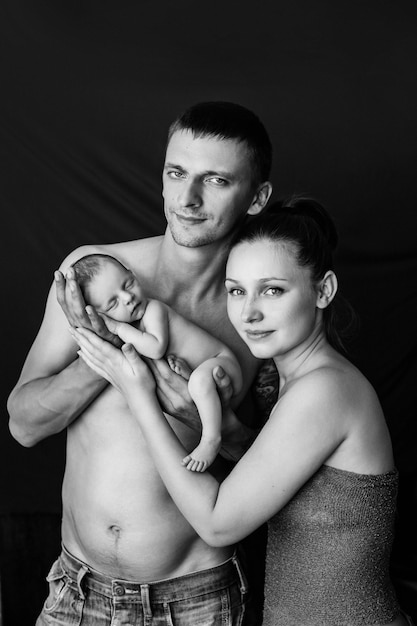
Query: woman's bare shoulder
{"points": [[335, 387]]}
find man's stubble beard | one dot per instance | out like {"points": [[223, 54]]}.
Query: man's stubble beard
{"points": [[187, 239]]}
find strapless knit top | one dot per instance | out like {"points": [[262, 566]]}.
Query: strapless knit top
{"points": [[329, 551]]}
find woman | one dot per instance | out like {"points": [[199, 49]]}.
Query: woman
{"points": [[321, 470]]}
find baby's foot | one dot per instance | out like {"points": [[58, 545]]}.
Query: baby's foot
{"points": [[203, 455], [179, 366]]}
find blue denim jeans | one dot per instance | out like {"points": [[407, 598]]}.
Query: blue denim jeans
{"points": [[81, 596]]}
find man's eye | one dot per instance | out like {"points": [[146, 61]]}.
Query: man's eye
{"points": [[175, 174], [220, 182]]}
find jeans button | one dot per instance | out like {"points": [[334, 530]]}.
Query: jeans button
{"points": [[119, 590]]}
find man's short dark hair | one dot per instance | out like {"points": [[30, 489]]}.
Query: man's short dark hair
{"points": [[226, 120]]}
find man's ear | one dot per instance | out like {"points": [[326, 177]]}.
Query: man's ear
{"points": [[261, 197], [327, 290]]}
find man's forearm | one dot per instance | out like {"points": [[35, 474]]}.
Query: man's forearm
{"points": [[46, 406]]}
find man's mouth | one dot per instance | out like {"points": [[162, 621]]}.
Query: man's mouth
{"points": [[189, 220]]}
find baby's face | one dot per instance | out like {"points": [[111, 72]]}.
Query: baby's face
{"points": [[116, 292]]}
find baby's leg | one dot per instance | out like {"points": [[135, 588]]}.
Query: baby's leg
{"points": [[179, 366], [203, 391]]}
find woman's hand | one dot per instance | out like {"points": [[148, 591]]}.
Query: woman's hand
{"points": [[123, 368]]}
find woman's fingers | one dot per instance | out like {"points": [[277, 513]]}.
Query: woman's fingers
{"points": [[86, 337], [122, 368]]}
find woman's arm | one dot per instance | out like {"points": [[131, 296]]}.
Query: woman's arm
{"points": [[283, 457]]}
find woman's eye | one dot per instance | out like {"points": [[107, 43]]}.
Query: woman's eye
{"points": [[235, 292], [274, 291]]}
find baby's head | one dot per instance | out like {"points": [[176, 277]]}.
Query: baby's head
{"points": [[110, 287]]}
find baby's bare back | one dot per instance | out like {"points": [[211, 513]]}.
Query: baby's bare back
{"points": [[190, 342]]}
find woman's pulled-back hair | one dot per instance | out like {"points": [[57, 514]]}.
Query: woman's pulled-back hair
{"points": [[304, 223]]}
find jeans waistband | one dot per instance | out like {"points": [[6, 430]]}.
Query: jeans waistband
{"points": [[168, 590]]}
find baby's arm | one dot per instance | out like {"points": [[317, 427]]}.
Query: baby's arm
{"points": [[151, 339]]}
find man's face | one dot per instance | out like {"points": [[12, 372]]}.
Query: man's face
{"points": [[207, 187]]}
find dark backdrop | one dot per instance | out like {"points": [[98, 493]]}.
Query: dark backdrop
{"points": [[88, 90]]}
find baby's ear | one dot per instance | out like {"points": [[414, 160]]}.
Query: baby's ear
{"points": [[327, 290]]}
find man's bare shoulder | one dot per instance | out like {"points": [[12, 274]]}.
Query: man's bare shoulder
{"points": [[137, 254], [147, 245]]}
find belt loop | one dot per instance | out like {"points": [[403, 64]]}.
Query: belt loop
{"points": [[146, 602], [242, 577], [80, 575]]}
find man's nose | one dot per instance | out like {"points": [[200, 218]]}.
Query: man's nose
{"points": [[190, 195]]}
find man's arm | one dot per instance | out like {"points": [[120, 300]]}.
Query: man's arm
{"points": [[237, 436], [45, 406], [265, 391], [55, 386]]}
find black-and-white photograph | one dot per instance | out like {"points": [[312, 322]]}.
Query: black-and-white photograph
{"points": [[209, 313]]}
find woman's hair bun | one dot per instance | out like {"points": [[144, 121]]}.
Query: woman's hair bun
{"points": [[304, 206]]}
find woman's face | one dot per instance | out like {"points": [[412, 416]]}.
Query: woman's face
{"points": [[271, 300]]}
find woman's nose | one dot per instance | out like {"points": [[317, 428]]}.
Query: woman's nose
{"points": [[251, 311]]}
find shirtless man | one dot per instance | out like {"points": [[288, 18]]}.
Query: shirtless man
{"points": [[121, 531]]}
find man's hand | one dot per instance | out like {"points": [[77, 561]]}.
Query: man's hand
{"points": [[174, 398], [224, 386], [173, 394], [79, 315]]}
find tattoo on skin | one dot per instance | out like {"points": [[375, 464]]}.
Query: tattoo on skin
{"points": [[266, 389]]}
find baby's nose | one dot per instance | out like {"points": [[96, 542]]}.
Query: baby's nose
{"points": [[127, 297]]}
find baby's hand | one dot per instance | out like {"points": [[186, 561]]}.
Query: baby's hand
{"points": [[111, 324]]}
